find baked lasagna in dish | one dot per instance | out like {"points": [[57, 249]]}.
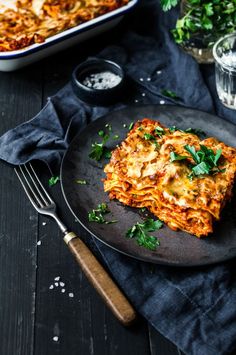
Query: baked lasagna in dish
{"points": [[181, 179], [25, 22]]}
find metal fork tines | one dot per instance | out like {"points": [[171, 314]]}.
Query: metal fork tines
{"points": [[37, 194]]}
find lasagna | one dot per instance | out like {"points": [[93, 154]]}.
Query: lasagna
{"points": [[154, 167], [25, 22]]}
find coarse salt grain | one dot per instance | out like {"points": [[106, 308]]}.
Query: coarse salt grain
{"points": [[102, 81], [63, 290], [143, 94], [141, 79], [135, 101], [55, 338], [39, 242], [56, 284], [44, 223], [148, 79], [159, 72], [162, 102], [62, 284], [57, 278], [71, 294], [51, 287]]}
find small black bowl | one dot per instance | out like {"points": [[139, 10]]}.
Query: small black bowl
{"points": [[91, 94]]}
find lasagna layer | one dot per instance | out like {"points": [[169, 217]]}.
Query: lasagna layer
{"points": [[25, 22], [141, 174]]}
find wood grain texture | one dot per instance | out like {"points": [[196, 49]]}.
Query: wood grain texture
{"points": [[20, 99]]}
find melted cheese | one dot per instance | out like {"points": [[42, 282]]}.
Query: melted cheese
{"points": [[140, 174]]}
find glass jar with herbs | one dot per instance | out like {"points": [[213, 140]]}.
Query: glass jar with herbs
{"points": [[201, 24]]}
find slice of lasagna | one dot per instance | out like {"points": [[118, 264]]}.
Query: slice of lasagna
{"points": [[158, 168]]}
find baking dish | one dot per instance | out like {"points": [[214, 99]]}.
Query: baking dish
{"points": [[10, 61]]}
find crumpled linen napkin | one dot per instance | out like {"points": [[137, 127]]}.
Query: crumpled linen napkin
{"points": [[194, 308]]}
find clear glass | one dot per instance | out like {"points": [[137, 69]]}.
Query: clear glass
{"points": [[224, 53]]}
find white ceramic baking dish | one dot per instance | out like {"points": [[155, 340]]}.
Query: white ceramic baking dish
{"points": [[13, 60]]}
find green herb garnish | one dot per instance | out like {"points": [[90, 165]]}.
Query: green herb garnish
{"points": [[168, 4], [140, 231], [169, 93], [131, 125], [159, 131], [81, 182], [206, 160], [174, 157], [149, 137], [115, 136], [205, 20], [53, 180], [98, 149], [97, 215]]}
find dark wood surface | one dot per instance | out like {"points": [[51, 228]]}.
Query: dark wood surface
{"points": [[32, 314]]}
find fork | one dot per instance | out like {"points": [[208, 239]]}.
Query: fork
{"points": [[96, 274]]}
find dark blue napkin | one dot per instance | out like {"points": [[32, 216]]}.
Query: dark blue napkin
{"points": [[194, 308]]}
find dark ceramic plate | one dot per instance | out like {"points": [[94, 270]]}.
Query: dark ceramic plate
{"points": [[176, 248]]}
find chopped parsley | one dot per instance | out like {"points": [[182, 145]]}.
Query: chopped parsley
{"points": [[206, 160], [97, 215], [149, 137], [140, 231], [81, 182], [131, 125], [170, 93], [174, 157], [115, 136], [53, 180], [99, 150], [159, 131]]}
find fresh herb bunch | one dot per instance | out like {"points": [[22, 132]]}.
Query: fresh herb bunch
{"points": [[140, 231], [204, 21]]}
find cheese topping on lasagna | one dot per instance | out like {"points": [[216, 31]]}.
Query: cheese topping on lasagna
{"points": [[25, 22], [141, 174]]}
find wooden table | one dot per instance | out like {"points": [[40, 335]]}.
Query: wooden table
{"points": [[34, 317]]}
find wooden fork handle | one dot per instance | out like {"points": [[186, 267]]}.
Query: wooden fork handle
{"points": [[101, 280]]}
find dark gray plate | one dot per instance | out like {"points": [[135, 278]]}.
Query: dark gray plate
{"points": [[176, 248]]}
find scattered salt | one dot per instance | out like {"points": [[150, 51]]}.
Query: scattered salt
{"points": [[143, 94], [57, 278], [135, 101], [63, 290], [56, 284], [39, 242], [141, 79], [62, 284], [44, 223], [162, 102], [71, 294], [55, 338], [159, 72], [51, 287], [102, 81], [148, 79]]}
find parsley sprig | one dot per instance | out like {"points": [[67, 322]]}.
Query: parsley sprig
{"points": [[97, 215], [99, 150], [53, 180], [140, 231], [206, 160]]}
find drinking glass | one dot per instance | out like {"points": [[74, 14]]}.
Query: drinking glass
{"points": [[224, 52]]}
